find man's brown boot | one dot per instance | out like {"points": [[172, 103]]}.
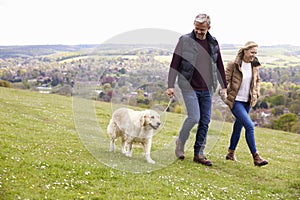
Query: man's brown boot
{"points": [[230, 155], [179, 152], [259, 161], [202, 160]]}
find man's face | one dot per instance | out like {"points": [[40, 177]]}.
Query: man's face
{"points": [[201, 30]]}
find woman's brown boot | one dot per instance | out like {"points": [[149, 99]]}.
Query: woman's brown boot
{"points": [[230, 155], [259, 161]]}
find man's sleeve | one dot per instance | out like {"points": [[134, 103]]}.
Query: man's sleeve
{"points": [[174, 66], [221, 74]]}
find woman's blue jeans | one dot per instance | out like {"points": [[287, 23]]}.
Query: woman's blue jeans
{"points": [[242, 119], [198, 106]]}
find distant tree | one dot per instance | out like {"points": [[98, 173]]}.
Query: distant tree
{"points": [[262, 90], [132, 101], [295, 107], [254, 116], [57, 78], [140, 97], [124, 90], [122, 81], [278, 110], [160, 95], [296, 128], [275, 74], [35, 73], [284, 78], [266, 85], [285, 122], [26, 85], [122, 70], [6, 74], [4, 83], [277, 100], [263, 104], [178, 109], [65, 90], [107, 87], [296, 95], [296, 77]]}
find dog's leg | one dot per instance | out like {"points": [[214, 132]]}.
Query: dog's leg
{"points": [[111, 130], [123, 145], [129, 145], [112, 145], [147, 149]]}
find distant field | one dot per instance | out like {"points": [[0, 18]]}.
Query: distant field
{"points": [[163, 58], [269, 57]]}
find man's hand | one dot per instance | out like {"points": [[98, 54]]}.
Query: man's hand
{"points": [[170, 92]]}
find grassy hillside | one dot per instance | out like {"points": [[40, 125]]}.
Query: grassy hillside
{"points": [[55, 147]]}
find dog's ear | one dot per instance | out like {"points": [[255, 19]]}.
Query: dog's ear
{"points": [[144, 120]]}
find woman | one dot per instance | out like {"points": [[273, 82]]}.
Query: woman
{"points": [[242, 76]]}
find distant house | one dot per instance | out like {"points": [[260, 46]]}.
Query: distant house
{"points": [[265, 114], [43, 89]]}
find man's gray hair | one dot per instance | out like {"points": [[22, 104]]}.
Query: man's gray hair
{"points": [[201, 18]]}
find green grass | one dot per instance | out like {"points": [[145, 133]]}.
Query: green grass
{"points": [[55, 147]]}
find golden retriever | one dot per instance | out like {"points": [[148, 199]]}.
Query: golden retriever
{"points": [[133, 127]]}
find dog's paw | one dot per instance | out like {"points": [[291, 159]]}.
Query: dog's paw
{"points": [[112, 146], [150, 161], [112, 149], [128, 154]]}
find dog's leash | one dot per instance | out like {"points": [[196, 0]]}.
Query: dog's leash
{"points": [[172, 99]]}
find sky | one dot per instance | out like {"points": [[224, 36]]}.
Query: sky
{"points": [[72, 22]]}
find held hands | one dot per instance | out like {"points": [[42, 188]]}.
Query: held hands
{"points": [[170, 92], [223, 94]]}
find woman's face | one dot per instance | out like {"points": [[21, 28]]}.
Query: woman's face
{"points": [[250, 54]]}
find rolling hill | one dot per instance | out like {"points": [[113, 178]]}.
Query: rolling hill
{"points": [[55, 147]]}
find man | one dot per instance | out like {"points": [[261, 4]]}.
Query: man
{"points": [[198, 64]]}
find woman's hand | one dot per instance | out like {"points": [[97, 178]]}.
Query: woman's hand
{"points": [[223, 93]]}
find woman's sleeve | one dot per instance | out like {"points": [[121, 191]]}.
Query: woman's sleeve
{"points": [[228, 72]]}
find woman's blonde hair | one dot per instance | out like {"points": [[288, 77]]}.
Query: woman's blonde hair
{"points": [[247, 46]]}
